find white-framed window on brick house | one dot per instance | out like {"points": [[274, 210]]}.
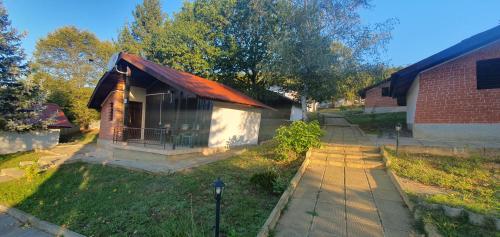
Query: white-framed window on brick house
{"points": [[111, 111], [386, 92], [488, 74]]}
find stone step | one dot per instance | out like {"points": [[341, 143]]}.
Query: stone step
{"points": [[15, 173], [337, 147], [360, 164], [26, 163], [49, 160], [5, 178]]}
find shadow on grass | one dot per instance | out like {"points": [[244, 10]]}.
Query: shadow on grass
{"points": [[104, 201]]}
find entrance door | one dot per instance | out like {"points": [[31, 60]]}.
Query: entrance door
{"points": [[134, 114]]}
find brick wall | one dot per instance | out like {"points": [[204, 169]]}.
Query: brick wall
{"points": [[116, 98], [374, 97], [448, 93]]}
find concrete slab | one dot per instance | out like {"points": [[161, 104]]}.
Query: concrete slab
{"points": [[15, 173], [26, 163], [5, 179]]}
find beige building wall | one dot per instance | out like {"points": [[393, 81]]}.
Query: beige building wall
{"points": [[233, 125]]}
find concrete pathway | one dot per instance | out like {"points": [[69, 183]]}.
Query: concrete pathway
{"points": [[10, 227], [345, 191]]}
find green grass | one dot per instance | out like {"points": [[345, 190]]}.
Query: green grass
{"points": [[82, 137], [96, 200], [12, 160], [473, 182], [457, 227], [375, 123]]}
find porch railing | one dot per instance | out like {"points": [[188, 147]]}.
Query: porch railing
{"points": [[145, 136], [158, 137]]}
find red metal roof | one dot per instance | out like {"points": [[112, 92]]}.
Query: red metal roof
{"points": [[56, 115], [189, 82]]}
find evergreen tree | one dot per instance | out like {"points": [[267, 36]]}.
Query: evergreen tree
{"points": [[20, 100], [140, 36]]}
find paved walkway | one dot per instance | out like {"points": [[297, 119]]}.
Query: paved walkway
{"points": [[10, 227], [345, 192]]}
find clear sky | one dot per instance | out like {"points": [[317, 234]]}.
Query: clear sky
{"points": [[425, 26]]}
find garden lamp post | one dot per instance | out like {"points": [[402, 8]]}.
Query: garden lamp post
{"points": [[218, 189], [398, 129]]}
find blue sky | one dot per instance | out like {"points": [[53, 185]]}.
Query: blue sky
{"points": [[425, 26]]}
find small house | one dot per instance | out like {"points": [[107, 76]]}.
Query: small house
{"points": [[378, 99]]}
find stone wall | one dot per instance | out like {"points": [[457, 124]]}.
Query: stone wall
{"points": [[11, 142]]}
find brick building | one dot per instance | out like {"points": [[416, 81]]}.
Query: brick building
{"points": [[378, 99], [454, 94]]}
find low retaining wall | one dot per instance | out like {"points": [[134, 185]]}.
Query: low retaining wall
{"points": [[273, 218], [11, 142], [462, 151]]}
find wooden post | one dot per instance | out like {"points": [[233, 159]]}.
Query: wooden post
{"points": [[176, 124], [126, 94]]}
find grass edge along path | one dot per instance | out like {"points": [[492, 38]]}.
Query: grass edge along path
{"points": [[105, 201]]}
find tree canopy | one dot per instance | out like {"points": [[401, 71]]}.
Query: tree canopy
{"points": [[69, 62]]}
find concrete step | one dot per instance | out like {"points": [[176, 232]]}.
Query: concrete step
{"points": [[360, 164], [15, 173], [340, 147], [49, 160]]}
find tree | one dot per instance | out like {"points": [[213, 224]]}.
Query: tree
{"points": [[20, 100], [147, 27], [69, 62], [304, 50]]}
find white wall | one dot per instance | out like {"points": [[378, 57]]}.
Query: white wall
{"points": [[411, 103], [11, 142], [233, 125], [296, 113]]}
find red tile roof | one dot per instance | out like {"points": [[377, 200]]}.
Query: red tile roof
{"points": [[54, 113], [186, 81]]}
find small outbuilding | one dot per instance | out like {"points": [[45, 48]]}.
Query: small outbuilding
{"points": [[454, 94], [150, 104]]}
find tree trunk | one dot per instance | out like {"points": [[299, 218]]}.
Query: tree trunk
{"points": [[303, 103]]}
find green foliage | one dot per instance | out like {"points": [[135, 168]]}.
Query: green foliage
{"points": [[20, 100], [119, 202], [12, 60], [31, 172], [472, 181], [297, 137], [271, 180], [68, 62], [265, 179], [457, 227]]}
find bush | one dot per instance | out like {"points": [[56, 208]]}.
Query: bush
{"points": [[297, 137], [265, 179], [271, 181]]}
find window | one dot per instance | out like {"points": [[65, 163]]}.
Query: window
{"points": [[386, 91], [111, 108], [488, 74]]}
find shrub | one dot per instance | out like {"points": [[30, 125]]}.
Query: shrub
{"points": [[265, 179], [31, 172], [297, 137], [271, 181]]}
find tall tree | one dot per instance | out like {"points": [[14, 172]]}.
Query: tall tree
{"points": [[20, 99], [147, 27], [310, 30], [69, 63]]}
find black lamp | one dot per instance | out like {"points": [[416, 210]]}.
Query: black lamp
{"points": [[398, 129], [218, 190]]}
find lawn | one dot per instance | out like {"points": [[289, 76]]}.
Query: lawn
{"points": [[82, 137], [473, 182], [375, 123], [457, 227], [12, 160], [96, 200]]}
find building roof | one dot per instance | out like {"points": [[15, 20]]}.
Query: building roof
{"points": [[362, 92], [402, 79], [56, 115], [197, 85]]}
